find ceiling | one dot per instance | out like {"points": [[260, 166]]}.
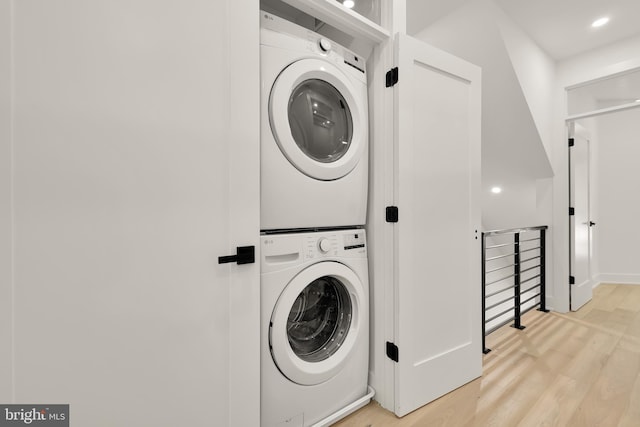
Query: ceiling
{"points": [[563, 27], [560, 27]]}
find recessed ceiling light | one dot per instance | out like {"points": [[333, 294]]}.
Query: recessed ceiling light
{"points": [[637, 100], [600, 22], [496, 190], [348, 4]]}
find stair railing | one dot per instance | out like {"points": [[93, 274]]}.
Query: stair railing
{"points": [[513, 277]]}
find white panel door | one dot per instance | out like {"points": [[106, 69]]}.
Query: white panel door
{"points": [[582, 289], [135, 165], [438, 319]]}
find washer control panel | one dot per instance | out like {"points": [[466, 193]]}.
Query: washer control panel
{"points": [[331, 244], [279, 250], [353, 241], [321, 245]]}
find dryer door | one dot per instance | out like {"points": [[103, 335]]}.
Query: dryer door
{"points": [[318, 118], [316, 322]]}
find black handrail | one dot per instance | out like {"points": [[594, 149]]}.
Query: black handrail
{"points": [[514, 249], [514, 230]]}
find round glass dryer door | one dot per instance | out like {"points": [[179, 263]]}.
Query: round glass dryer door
{"points": [[316, 322], [318, 118]]}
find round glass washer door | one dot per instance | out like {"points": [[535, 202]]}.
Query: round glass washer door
{"points": [[316, 323], [318, 119]]}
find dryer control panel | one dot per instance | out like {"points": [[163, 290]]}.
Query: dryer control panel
{"points": [[290, 35]]}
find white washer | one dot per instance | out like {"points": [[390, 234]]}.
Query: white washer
{"points": [[314, 325], [314, 130]]}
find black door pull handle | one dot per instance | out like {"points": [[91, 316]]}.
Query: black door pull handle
{"points": [[244, 255], [591, 223]]}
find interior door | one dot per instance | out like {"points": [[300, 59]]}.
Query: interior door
{"points": [[580, 226], [437, 189], [135, 164]]}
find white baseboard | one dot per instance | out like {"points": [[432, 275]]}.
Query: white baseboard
{"points": [[625, 279], [550, 303]]}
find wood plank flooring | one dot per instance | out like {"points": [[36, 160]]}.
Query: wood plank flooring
{"points": [[579, 369]]}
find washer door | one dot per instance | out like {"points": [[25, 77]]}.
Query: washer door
{"points": [[316, 322], [317, 120]]}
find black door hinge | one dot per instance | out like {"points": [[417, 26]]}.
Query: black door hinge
{"points": [[572, 280], [572, 211], [244, 255], [392, 351], [392, 77], [392, 214], [572, 142]]}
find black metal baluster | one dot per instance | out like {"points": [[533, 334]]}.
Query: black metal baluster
{"points": [[485, 350], [543, 269], [516, 280]]}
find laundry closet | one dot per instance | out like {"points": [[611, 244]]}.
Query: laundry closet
{"points": [[420, 156]]}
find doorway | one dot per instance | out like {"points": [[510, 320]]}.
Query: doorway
{"points": [[580, 241], [602, 232], [590, 105]]}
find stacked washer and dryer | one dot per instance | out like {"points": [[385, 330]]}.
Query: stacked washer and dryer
{"points": [[314, 274]]}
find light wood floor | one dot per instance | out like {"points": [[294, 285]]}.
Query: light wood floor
{"points": [[580, 369]]}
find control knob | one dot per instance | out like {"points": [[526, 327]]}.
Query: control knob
{"points": [[324, 245], [325, 45]]}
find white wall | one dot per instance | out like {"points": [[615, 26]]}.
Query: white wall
{"points": [[618, 211], [536, 72], [511, 143], [521, 203], [6, 237], [515, 120], [581, 101], [422, 13], [512, 208], [601, 62]]}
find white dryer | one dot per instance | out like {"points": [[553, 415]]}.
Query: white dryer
{"points": [[314, 130], [314, 326]]}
